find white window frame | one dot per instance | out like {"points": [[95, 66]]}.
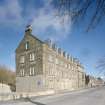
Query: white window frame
{"points": [[32, 56], [32, 71], [22, 72], [26, 45]]}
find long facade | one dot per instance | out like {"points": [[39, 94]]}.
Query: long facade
{"points": [[42, 66]]}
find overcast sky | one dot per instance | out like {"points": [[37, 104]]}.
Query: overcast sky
{"points": [[16, 14]]}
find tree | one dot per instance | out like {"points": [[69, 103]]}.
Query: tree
{"points": [[79, 9], [87, 79], [7, 76], [100, 65]]}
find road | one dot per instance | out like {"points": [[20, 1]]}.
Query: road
{"points": [[94, 96]]}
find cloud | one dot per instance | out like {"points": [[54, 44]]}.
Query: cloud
{"points": [[10, 11], [49, 25], [44, 20]]}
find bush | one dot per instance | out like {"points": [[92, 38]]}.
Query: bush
{"points": [[7, 76]]}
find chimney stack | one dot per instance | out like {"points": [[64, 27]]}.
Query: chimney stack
{"points": [[28, 30]]}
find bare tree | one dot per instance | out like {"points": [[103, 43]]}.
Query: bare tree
{"points": [[7, 76], [100, 65], [78, 9]]}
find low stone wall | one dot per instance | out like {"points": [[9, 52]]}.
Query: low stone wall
{"points": [[4, 88], [14, 96]]}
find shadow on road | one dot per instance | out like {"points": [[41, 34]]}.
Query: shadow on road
{"points": [[37, 103]]}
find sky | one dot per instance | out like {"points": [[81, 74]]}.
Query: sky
{"points": [[88, 47]]}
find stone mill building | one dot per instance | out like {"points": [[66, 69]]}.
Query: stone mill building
{"points": [[41, 66]]}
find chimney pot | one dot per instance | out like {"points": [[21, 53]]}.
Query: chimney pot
{"points": [[28, 30]]}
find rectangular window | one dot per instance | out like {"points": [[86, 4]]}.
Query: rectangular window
{"points": [[27, 45], [50, 58], [32, 57], [22, 59], [57, 62], [22, 72], [32, 71]]}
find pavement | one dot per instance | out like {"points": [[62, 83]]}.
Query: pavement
{"points": [[93, 96]]}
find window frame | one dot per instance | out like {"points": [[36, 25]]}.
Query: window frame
{"points": [[27, 45]]}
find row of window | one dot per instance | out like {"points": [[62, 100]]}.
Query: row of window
{"points": [[56, 71], [31, 58], [31, 71], [60, 62], [62, 74]]}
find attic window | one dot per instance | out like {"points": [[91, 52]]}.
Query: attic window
{"points": [[27, 45]]}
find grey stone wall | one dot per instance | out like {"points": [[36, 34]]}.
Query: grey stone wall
{"points": [[30, 84]]}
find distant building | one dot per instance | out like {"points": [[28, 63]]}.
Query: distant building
{"points": [[100, 81], [42, 66], [92, 81]]}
